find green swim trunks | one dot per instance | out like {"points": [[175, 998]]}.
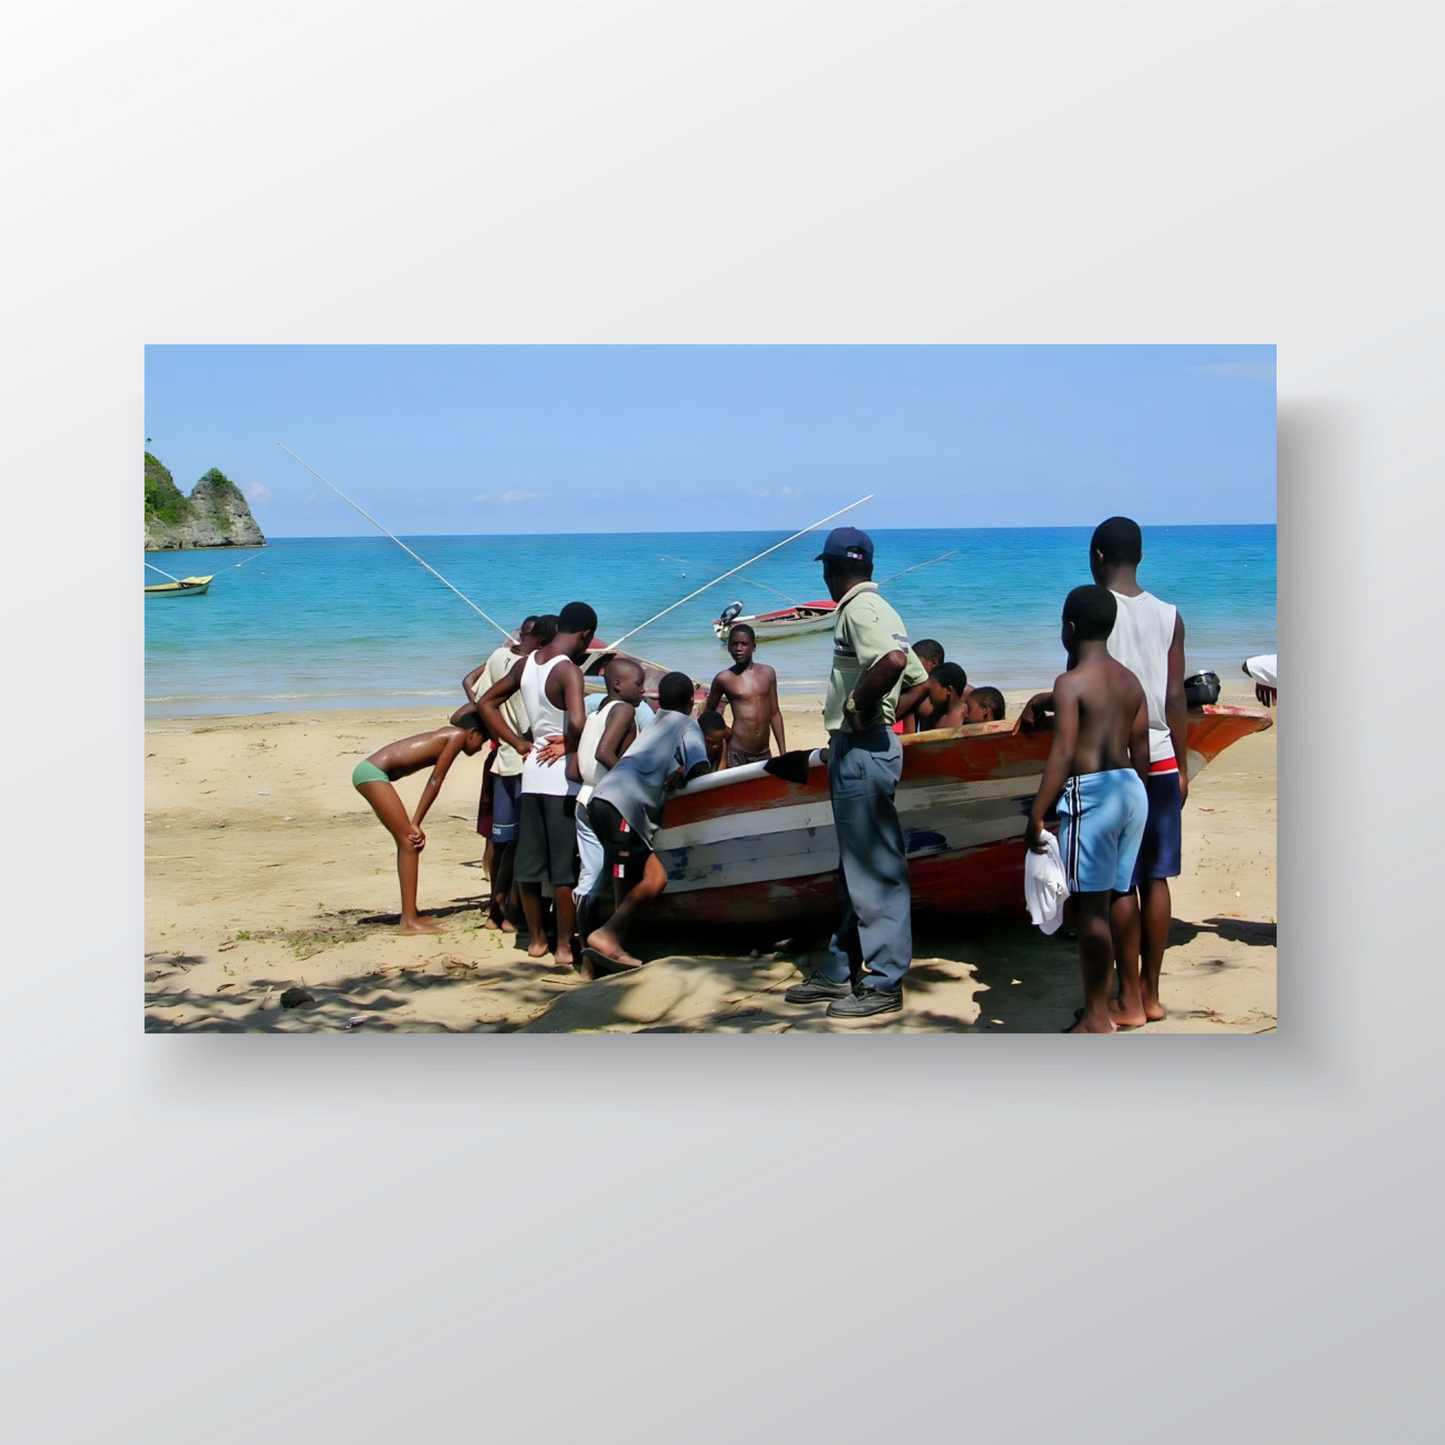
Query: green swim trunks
{"points": [[367, 772]]}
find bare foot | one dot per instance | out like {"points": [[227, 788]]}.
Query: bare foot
{"points": [[491, 925], [595, 963], [1153, 1010], [1132, 1017], [1089, 1024], [538, 948], [563, 957], [508, 926], [419, 924]]}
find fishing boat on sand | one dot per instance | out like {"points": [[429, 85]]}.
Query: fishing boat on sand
{"points": [[179, 587], [744, 847]]}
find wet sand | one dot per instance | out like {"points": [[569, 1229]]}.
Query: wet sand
{"points": [[266, 871]]}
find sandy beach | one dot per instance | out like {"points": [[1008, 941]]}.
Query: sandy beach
{"points": [[266, 871]]}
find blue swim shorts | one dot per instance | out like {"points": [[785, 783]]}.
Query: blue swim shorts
{"points": [[505, 793], [1101, 821], [1159, 849]]}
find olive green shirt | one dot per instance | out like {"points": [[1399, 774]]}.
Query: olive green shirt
{"points": [[866, 628]]}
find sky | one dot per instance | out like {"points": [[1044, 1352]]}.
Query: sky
{"points": [[472, 440]]}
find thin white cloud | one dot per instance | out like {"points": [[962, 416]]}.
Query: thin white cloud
{"points": [[510, 497], [257, 492], [482, 497], [760, 494]]}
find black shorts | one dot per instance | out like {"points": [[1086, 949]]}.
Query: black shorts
{"points": [[546, 840], [625, 852]]}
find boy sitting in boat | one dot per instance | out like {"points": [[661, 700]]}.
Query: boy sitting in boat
{"points": [[625, 812], [1098, 762], [983, 704], [947, 696], [374, 777], [920, 718], [715, 733], [751, 690]]}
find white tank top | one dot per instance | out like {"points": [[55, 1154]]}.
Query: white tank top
{"points": [[1143, 633], [548, 721], [592, 771]]}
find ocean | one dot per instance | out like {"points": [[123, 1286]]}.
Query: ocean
{"points": [[315, 623]]}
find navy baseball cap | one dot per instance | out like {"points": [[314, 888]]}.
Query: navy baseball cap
{"points": [[847, 544]]}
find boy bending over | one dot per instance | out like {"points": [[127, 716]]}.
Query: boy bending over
{"points": [[1098, 762], [626, 809], [374, 777]]}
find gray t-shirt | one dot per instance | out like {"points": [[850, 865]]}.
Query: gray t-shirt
{"points": [[634, 787]]}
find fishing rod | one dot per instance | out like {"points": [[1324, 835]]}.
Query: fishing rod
{"points": [[748, 563], [505, 633], [916, 566], [748, 580]]}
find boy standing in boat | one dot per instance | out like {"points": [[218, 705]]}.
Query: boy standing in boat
{"points": [[751, 691], [550, 683], [872, 661], [373, 779], [1098, 762]]}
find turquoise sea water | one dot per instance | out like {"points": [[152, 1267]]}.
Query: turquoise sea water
{"points": [[317, 623]]}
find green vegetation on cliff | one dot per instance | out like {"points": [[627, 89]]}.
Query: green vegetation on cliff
{"points": [[213, 492], [164, 502]]}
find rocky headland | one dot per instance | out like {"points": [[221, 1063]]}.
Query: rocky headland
{"points": [[214, 515]]}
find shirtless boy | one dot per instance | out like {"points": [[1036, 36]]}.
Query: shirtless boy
{"points": [[716, 734], [983, 704], [373, 779], [946, 684], [751, 690], [1098, 762], [922, 717]]}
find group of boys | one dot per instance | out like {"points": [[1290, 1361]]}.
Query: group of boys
{"points": [[575, 802]]}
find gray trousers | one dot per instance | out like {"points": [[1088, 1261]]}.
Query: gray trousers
{"points": [[874, 942]]}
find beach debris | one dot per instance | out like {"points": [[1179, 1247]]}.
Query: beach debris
{"points": [[756, 953], [356, 1021], [296, 997]]}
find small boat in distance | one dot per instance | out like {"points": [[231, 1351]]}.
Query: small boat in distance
{"points": [[788, 622], [179, 587]]}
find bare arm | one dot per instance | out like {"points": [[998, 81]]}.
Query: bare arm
{"points": [[450, 749], [617, 735], [470, 705], [876, 683], [1175, 708], [1059, 765], [1033, 710], [775, 722], [715, 695], [908, 706], [489, 706], [1139, 742]]}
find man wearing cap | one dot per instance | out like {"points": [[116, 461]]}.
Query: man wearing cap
{"points": [[872, 663]]}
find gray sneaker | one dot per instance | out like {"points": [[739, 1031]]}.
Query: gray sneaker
{"points": [[866, 1002], [815, 988]]}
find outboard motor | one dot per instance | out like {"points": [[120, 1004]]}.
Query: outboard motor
{"points": [[726, 620], [1201, 689]]}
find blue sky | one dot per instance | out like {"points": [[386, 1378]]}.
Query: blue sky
{"points": [[435, 440]]}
